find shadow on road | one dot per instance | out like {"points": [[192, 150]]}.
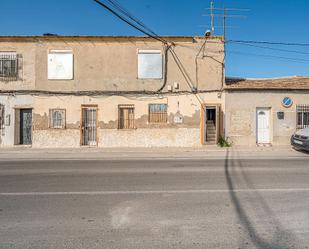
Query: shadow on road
{"points": [[280, 238]]}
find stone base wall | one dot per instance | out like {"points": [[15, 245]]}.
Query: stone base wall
{"points": [[170, 137], [70, 138]]}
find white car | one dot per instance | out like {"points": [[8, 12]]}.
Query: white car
{"points": [[300, 139]]}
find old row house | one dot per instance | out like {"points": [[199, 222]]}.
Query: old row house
{"points": [[63, 91], [72, 91]]}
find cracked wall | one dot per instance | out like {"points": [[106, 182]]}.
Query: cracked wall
{"points": [[145, 134], [241, 109]]}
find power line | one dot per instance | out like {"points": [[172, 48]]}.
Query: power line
{"points": [[270, 48], [272, 43], [142, 29], [117, 5], [297, 60], [130, 23], [150, 33]]}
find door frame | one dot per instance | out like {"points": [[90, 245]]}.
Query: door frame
{"points": [[203, 121], [268, 109], [97, 123], [17, 125]]}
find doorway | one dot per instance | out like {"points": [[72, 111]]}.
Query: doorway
{"points": [[25, 126], [263, 125], [89, 126], [210, 124]]}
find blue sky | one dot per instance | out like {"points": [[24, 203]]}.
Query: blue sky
{"points": [[268, 20]]}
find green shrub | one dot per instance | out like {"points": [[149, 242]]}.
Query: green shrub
{"points": [[224, 142]]}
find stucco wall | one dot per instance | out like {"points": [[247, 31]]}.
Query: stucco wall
{"points": [[145, 134], [7, 135], [26, 79], [110, 63], [241, 115]]}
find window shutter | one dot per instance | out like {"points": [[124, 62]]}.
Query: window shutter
{"points": [[150, 64]]}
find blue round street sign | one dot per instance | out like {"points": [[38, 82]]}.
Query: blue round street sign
{"points": [[287, 102]]}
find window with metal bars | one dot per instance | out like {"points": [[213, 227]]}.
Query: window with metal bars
{"points": [[157, 113], [302, 116], [8, 66], [126, 117], [1, 116], [57, 118]]}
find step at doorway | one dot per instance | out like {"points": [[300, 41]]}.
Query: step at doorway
{"points": [[210, 124]]}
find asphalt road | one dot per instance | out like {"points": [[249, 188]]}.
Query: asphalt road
{"points": [[188, 203]]}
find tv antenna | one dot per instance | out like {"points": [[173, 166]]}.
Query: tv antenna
{"points": [[224, 14]]}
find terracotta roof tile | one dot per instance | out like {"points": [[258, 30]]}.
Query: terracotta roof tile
{"points": [[292, 83]]}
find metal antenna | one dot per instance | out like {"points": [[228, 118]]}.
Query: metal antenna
{"points": [[224, 14], [212, 17]]}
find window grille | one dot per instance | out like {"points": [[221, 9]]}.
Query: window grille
{"points": [[1, 116], [126, 116], [57, 118], [9, 63], [157, 113], [302, 116]]}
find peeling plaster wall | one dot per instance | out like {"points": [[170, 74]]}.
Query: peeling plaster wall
{"points": [[145, 134], [68, 138], [111, 63], [165, 137], [7, 135], [241, 115]]}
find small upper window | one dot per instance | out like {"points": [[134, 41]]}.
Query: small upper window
{"points": [[60, 65], [150, 64], [57, 118], [8, 66]]}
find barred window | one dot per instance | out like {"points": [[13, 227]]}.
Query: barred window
{"points": [[126, 116], [1, 116], [8, 66], [302, 116], [157, 113], [57, 118]]}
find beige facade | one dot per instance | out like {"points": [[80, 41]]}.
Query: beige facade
{"points": [[105, 78], [245, 98], [138, 92]]}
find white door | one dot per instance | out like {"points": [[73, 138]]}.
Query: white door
{"points": [[263, 126]]}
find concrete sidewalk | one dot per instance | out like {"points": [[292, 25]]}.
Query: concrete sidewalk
{"points": [[149, 153]]}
